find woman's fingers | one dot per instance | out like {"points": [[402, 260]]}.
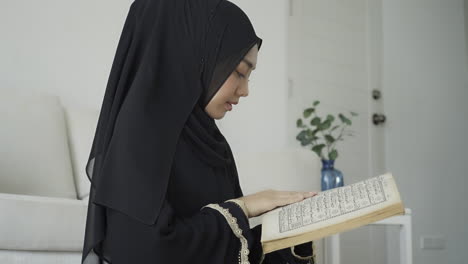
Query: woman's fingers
{"points": [[288, 197], [296, 194], [264, 201]]}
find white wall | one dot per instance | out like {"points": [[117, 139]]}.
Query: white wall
{"points": [[466, 27], [426, 90], [61, 47], [67, 48]]}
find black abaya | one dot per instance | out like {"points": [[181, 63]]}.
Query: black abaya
{"points": [[196, 225], [161, 172]]}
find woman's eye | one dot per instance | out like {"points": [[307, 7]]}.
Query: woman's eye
{"points": [[240, 74]]}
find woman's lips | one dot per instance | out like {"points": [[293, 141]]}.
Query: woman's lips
{"points": [[228, 106]]}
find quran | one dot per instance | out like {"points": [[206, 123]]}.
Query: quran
{"points": [[332, 211]]}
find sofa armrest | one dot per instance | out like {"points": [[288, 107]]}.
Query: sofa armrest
{"points": [[41, 223]]}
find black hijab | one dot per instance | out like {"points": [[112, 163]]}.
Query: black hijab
{"points": [[171, 59]]}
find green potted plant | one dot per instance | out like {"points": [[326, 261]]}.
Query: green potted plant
{"points": [[320, 133]]}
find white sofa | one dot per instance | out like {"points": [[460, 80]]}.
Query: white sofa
{"points": [[44, 189]]}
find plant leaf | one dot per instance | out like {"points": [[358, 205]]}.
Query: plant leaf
{"points": [[315, 121], [299, 123], [329, 138], [325, 125], [301, 135], [308, 111], [318, 149], [344, 119], [305, 142], [333, 154]]}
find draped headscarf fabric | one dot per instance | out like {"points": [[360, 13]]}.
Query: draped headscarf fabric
{"points": [[171, 59]]}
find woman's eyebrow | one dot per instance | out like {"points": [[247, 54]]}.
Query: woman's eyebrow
{"points": [[249, 63]]}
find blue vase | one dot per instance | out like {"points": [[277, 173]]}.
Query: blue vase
{"points": [[331, 177]]}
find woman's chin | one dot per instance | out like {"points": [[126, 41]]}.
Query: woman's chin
{"points": [[220, 115]]}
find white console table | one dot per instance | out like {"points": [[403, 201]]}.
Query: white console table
{"points": [[332, 243]]}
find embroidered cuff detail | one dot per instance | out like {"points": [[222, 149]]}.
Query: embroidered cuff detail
{"points": [[310, 258], [232, 221], [241, 204]]}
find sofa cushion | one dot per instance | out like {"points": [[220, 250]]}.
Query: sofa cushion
{"points": [[42, 223], [34, 157], [81, 125]]}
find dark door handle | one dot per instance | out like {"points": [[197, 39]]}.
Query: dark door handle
{"points": [[378, 119]]}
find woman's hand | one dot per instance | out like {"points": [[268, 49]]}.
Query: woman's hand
{"points": [[264, 201]]}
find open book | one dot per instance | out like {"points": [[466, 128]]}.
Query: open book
{"points": [[330, 212]]}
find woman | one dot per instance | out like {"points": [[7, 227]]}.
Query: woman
{"points": [[164, 184]]}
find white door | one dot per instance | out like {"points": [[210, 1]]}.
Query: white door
{"points": [[425, 86], [334, 57]]}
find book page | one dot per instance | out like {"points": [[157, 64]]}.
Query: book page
{"points": [[330, 207]]}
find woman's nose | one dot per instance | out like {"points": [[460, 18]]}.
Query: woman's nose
{"points": [[243, 89]]}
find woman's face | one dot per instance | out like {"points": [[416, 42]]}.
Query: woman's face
{"points": [[236, 85]]}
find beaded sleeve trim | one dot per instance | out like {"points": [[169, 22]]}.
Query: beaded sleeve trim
{"points": [[232, 221], [310, 258]]}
